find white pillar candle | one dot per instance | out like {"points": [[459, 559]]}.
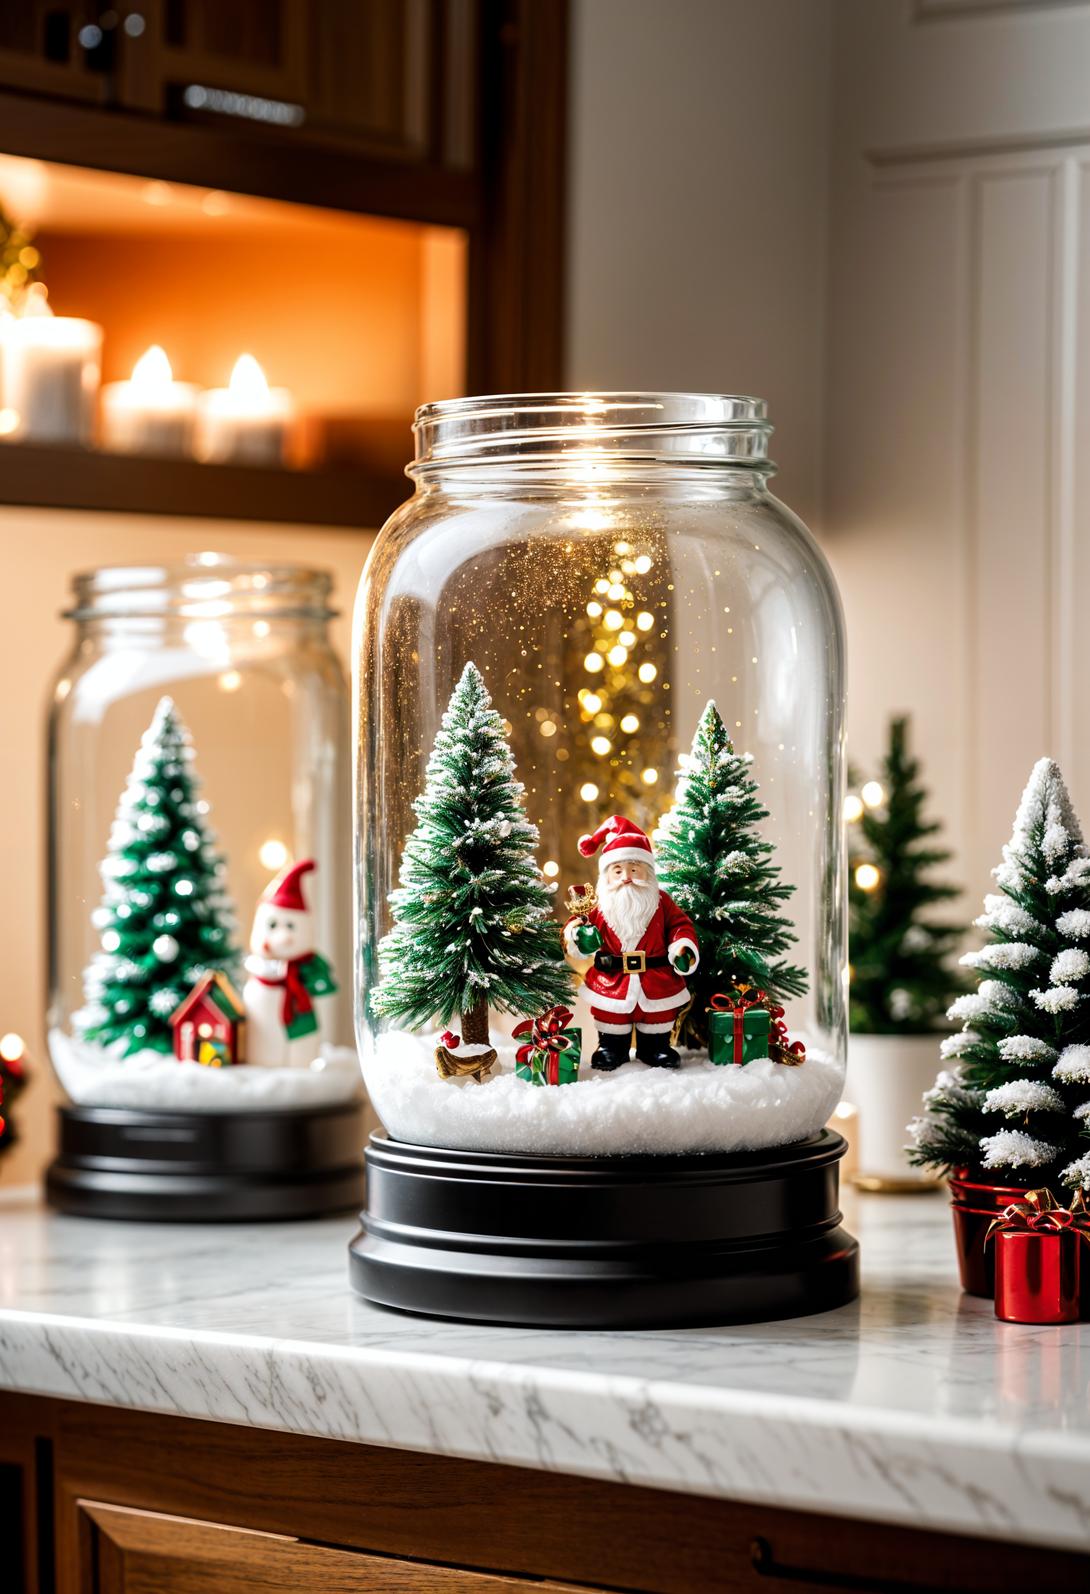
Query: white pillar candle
{"points": [[151, 414], [52, 368], [246, 423]]}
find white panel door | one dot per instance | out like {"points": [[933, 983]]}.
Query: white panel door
{"points": [[958, 486]]}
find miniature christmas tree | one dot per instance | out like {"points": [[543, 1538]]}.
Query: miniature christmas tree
{"points": [[901, 980], [12, 1080], [165, 918], [1014, 1107], [715, 865], [474, 926]]}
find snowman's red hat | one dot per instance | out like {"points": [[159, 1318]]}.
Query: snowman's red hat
{"points": [[285, 891], [620, 840]]}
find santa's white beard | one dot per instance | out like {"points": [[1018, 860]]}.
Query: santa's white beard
{"points": [[628, 907]]}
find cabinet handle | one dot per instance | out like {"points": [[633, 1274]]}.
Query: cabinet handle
{"points": [[765, 1564]]}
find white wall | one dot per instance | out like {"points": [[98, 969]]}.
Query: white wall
{"points": [[957, 493], [876, 214], [699, 145]]}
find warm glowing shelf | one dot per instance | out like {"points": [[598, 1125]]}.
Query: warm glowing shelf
{"points": [[71, 478]]}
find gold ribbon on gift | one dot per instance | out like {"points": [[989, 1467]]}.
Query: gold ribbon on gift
{"points": [[1039, 1212]]}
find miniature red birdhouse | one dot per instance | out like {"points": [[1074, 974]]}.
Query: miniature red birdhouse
{"points": [[209, 1024]]}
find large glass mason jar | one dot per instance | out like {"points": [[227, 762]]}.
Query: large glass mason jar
{"points": [[662, 646], [198, 756]]}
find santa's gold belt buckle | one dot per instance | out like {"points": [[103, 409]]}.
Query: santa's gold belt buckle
{"points": [[635, 962]]}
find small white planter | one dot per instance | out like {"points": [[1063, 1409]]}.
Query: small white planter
{"points": [[887, 1076]]}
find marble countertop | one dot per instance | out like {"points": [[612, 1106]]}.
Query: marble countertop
{"points": [[912, 1406]]}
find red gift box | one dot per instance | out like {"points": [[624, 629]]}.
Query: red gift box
{"points": [[1038, 1254]]}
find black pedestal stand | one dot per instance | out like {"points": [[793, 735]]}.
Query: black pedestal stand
{"points": [[207, 1167], [608, 1242]]}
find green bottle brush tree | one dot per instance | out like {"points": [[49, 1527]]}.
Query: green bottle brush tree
{"points": [[474, 927], [902, 980], [718, 868], [165, 918]]}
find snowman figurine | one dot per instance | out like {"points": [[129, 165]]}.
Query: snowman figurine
{"points": [[286, 974]]}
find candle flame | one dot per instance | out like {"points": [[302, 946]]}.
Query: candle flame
{"points": [[152, 370], [248, 382]]}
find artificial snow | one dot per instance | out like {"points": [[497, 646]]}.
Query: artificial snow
{"points": [[1075, 923], [1077, 1173], [1046, 801], [701, 1106], [1070, 964], [93, 1076], [954, 1045], [1057, 999], [1020, 1096], [1025, 1049], [1003, 955], [1073, 1067], [1013, 1148], [1000, 913]]}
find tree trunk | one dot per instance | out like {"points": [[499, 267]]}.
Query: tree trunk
{"points": [[475, 1024]]}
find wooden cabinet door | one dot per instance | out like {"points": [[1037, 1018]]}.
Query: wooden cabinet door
{"points": [[58, 50], [140, 1552], [382, 78]]}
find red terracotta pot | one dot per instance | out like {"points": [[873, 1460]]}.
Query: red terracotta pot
{"points": [[974, 1207]]}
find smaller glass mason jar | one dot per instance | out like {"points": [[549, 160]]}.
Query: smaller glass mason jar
{"points": [[201, 703]]}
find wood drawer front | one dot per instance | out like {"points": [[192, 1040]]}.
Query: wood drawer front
{"points": [[141, 1552]]}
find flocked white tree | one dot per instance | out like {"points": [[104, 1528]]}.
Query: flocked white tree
{"points": [[474, 926], [1014, 1106]]}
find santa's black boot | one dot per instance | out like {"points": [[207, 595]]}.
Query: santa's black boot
{"points": [[612, 1050], [656, 1051]]}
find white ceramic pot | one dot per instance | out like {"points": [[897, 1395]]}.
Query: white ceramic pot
{"points": [[887, 1076]]}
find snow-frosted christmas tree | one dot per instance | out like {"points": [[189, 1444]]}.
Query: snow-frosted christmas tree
{"points": [[1014, 1106], [165, 917], [717, 867], [901, 979], [474, 926]]}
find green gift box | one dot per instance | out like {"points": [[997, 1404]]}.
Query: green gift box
{"points": [[546, 1067], [738, 1035]]}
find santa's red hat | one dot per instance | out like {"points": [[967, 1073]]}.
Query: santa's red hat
{"points": [[285, 891], [619, 840]]}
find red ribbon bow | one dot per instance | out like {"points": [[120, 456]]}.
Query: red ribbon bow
{"points": [[739, 1002], [450, 1040], [1039, 1213], [545, 1036]]}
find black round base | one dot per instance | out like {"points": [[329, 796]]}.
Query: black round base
{"points": [[207, 1167], [609, 1242]]}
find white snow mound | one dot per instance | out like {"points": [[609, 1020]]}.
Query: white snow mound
{"points": [[93, 1076], [701, 1106]]}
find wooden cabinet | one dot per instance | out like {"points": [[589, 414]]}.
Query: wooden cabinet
{"points": [[391, 78], [124, 1502], [448, 113], [141, 1552], [41, 50]]}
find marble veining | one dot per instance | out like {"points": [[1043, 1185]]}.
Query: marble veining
{"points": [[913, 1405]]}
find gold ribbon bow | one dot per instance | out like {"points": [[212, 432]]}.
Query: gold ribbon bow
{"points": [[1039, 1212]]}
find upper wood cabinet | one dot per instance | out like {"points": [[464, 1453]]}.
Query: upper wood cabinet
{"points": [[394, 79]]}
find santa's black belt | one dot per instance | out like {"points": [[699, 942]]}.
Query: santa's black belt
{"points": [[627, 962]]}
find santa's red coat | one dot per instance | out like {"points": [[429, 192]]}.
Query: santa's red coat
{"points": [[660, 990]]}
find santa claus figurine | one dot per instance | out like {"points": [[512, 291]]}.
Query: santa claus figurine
{"points": [[286, 974], [643, 947]]}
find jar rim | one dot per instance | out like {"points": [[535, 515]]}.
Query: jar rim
{"points": [[200, 584], [698, 428]]}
